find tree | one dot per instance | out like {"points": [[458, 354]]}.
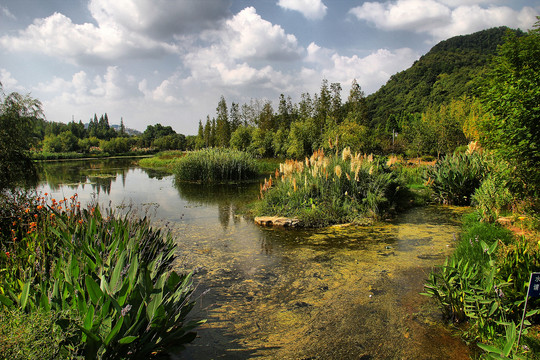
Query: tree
{"points": [[18, 114], [512, 95], [223, 129]]}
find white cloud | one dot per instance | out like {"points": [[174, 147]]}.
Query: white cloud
{"points": [[468, 19], [371, 71], [311, 9], [414, 15], [9, 84], [248, 36], [160, 18], [58, 36], [441, 19]]}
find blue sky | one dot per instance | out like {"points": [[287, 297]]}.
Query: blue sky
{"points": [[169, 61]]}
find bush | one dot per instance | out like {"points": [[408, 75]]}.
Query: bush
{"points": [[113, 273], [325, 190], [216, 165], [492, 198], [454, 179]]}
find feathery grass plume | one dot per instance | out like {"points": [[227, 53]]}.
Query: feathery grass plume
{"points": [[337, 171], [346, 154]]}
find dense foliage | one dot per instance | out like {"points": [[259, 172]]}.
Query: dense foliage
{"points": [[512, 95], [108, 277], [18, 115]]}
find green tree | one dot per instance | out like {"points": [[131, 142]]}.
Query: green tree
{"points": [[223, 128], [512, 95], [18, 114]]}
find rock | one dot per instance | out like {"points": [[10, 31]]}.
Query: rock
{"points": [[276, 221]]}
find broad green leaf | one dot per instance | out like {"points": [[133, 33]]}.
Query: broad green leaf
{"points": [[93, 289], [114, 331], [127, 340]]}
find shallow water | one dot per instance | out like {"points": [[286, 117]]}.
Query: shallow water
{"points": [[333, 293]]}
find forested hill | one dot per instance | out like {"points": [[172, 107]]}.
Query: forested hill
{"points": [[446, 72]]}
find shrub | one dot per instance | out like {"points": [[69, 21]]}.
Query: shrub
{"points": [[454, 179], [324, 190], [114, 273], [492, 198], [216, 165]]}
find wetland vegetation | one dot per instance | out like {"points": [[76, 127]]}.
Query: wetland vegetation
{"points": [[113, 285]]}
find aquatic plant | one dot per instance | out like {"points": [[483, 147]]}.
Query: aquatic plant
{"points": [[330, 189], [112, 275], [454, 179], [216, 165], [163, 160]]}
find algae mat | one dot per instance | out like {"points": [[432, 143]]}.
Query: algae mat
{"points": [[333, 293]]}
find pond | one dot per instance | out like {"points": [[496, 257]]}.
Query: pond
{"points": [[333, 293]]}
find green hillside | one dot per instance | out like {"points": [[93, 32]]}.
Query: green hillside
{"points": [[446, 72]]}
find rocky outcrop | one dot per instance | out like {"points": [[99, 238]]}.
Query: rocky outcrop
{"points": [[276, 221]]}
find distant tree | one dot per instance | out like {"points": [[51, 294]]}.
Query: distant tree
{"points": [[241, 138], [356, 106], [223, 129], [18, 114], [199, 140], [235, 117]]}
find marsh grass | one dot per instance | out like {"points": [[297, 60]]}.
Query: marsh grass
{"points": [[215, 165], [332, 189]]}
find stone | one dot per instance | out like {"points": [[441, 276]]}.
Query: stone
{"points": [[276, 221]]}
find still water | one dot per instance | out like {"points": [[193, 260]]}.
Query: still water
{"points": [[333, 293]]}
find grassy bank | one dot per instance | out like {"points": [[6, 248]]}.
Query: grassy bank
{"points": [[165, 160], [87, 284], [483, 285]]}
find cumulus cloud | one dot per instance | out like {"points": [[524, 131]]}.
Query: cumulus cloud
{"points": [[248, 36], [371, 71], [8, 82], [58, 36], [441, 18], [311, 9], [160, 18]]}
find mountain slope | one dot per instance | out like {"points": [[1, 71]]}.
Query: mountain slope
{"points": [[449, 70]]}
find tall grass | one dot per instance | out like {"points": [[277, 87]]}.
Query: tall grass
{"points": [[330, 189], [216, 166]]}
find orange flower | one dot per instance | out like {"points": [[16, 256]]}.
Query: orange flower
{"points": [[36, 216], [7, 253], [39, 207], [27, 210], [14, 223], [46, 194], [80, 221]]}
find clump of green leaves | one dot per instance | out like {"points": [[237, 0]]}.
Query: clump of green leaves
{"points": [[454, 179], [112, 274], [216, 165]]}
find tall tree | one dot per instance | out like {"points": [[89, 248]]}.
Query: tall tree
{"points": [[223, 129]]}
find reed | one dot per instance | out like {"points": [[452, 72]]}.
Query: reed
{"points": [[323, 190], [216, 166]]}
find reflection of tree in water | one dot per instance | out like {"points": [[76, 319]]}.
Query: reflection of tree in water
{"points": [[155, 174], [98, 173], [229, 198]]}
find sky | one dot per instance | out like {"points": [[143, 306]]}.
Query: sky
{"points": [[170, 61]]}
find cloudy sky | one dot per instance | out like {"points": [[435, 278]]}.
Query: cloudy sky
{"points": [[169, 61]]}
